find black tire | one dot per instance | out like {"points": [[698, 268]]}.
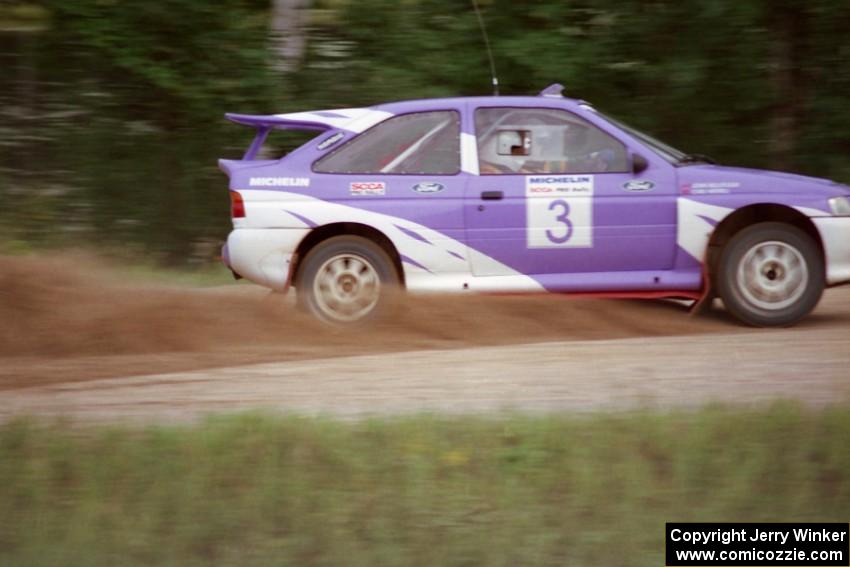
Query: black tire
{"points": [[770, 275], [333, 281]]}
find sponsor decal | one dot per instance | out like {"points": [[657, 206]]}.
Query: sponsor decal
{"points": [[559, 211], [428, 187], [710, 188], [638, 186], [279, 182], [328, 142], [367, 188], [559, 185]]}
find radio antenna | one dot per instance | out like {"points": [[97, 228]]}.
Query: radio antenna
{"points": [[493, 76]]}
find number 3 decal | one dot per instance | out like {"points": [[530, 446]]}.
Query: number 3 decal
{"points": [[563, 217], [559, 211]]}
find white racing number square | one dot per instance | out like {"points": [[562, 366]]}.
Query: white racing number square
{"points": [[559, 211]]}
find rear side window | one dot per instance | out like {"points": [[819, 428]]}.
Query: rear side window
{"points": [[420, 143]]}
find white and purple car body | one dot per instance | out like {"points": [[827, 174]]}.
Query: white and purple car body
{"points": [[523, 195]]}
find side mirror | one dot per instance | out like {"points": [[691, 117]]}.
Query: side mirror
{"points": [[639, 163]]}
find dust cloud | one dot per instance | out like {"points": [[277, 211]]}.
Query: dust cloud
{"points": [[73, 317]]}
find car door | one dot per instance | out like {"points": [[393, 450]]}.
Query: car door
{"points": [[403, 178], [557, 194], [407, 166]]}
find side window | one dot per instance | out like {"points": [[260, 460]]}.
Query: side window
{"points": [[421, 143], [544, 140]]}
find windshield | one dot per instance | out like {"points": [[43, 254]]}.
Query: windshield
{"points": [[669, 153]]}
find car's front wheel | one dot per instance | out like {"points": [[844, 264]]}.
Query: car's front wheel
{"points": [[770, 274], [346, 280]]}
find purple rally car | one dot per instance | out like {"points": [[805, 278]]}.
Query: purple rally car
{"points": [[522, 195]]}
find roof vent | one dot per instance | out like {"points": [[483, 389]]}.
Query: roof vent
{"points": [[555, 90]]}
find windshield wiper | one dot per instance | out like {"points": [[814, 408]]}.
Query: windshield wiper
{"points": [[696, 158]]}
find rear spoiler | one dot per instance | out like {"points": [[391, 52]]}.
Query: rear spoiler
{"points": [[266, 123], [269, 121], [353, 120]]}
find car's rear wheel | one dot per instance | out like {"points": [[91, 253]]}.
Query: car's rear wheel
{"points": [[770, 274], [346, 280]]}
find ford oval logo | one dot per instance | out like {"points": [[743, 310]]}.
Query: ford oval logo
{"points": [[428, 187], [638, 186]]}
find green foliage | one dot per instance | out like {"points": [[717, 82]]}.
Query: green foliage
{"points": [[253, 490], [693, 73], [175, 59], [111, 119], [700, 75]]}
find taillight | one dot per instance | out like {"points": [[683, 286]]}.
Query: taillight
{"points": [[237, 205]]}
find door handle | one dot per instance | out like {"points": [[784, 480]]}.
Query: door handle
{"points": [[492, 195]]}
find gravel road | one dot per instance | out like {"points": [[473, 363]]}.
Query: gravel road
{"points": [[811, 365], [99, 351]]}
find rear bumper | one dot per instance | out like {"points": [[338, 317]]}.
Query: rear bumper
{"points": [[263, 255], [835, 235]]}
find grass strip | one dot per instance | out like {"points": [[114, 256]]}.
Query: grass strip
{"points": [[422, 490]]}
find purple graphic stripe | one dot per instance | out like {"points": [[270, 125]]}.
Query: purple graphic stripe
{"points": [[456, 255], [305, 220], [412, 262], [710, 221], [414, 235]]}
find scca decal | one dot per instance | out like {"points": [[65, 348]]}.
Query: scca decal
{"points": [[367, 188]]}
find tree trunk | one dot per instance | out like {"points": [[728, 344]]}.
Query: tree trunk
{"points": [[288, 33], [789, 83]]}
